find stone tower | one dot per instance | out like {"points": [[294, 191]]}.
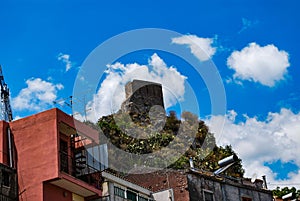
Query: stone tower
{"points": [[141, 96]]}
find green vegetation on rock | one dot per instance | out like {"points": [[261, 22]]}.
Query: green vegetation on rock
{"points": [[143, 139]]}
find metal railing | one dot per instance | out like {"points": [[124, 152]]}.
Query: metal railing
{"points": [[81, 170]]}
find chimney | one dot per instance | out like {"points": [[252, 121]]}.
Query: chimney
{"points": [[265, 181]]}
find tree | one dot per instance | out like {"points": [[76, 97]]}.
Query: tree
{"points": [[159, 139], [279, 192]]}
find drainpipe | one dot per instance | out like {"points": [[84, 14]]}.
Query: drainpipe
{"points": [[10, 154]]}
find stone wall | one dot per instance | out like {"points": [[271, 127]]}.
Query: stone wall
{"points": [[224, 190], [141, 96]]}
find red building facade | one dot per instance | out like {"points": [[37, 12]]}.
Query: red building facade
{"points": [[47, 155]]}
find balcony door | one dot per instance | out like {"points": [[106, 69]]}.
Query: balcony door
{"points": [[64, 164]]}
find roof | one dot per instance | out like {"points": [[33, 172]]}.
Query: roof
{"points": [[110, 175]]}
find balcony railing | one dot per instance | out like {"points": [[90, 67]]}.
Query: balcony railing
{"points": [[78, 167]]}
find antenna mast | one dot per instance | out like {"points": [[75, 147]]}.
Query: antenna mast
{"points": [[6, 113]]}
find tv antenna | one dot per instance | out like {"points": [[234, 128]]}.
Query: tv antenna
{"points": [[64, 102], [69, 102]]}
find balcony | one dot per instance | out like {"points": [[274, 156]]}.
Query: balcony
{"points": [[81, 160], [79, 168]]}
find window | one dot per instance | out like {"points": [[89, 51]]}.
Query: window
{"points": [[5, 178], [208, 195], [64, 165], [119, 192], [246, 199], [131, 195], [142, 198], [64, 146], [97, 157]]}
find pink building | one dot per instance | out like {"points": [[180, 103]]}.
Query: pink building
{"points": [[49, 158]]}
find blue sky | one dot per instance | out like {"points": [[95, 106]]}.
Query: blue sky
{"points": [[43, 45]]}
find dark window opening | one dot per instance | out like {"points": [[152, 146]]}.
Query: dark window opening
{"points": [[246, 199], [5, 178], [131, 196], [64, 165], [119, 192], [142, 198], [208, 196]]}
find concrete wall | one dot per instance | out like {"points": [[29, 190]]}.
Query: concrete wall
{"points": [[6, 173], [54, 193], [166, 195], [223, 190], [3, 143], [36, 140]]}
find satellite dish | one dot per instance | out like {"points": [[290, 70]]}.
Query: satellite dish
{"points": [[253, 178]]}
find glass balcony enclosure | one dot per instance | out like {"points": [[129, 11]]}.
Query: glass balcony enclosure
{"points": [[82, 157]]}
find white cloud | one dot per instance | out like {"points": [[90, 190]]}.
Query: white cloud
{"points": [[65, 58], [38, 95], [17, 117], [266, 65], [200, 47], [229, 80], [111, 93], [257, 142], [247, 24]]}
